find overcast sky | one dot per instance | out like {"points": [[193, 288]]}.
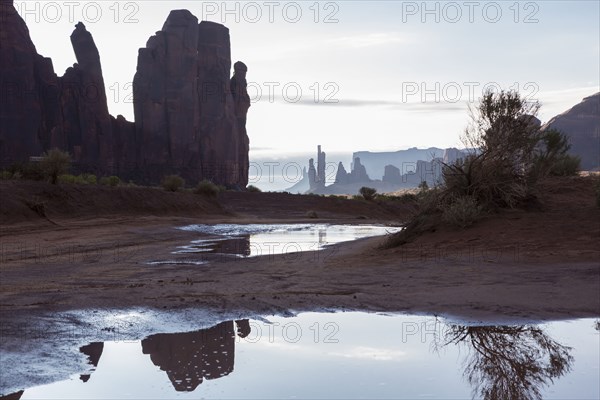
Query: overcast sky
{"points": [[373, 76]]}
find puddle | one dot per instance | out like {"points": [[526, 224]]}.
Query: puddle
{"points": [[242, 241], [337, 355]]}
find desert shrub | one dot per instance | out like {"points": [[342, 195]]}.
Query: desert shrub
{"points": [[172, 183], [207, 188], [423, 186], [408, 198], [461, 212], [566, 165], [552, 156], [6, 175], [67, 178], [253, 189], [311, 214], [368, 193], [55, 163], [110, 181], [28, 170], [38, 206], [501, 170], [88, 179]]}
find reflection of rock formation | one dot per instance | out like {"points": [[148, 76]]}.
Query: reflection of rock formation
{"points": [[189, 358], [237, 246], [93, 351], [13, 396], [510, 362]]}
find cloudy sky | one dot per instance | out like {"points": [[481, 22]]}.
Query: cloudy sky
{"points": [[353, 75]]}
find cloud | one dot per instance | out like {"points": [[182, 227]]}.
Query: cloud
{"points": [[396, 104], [368, 40], [371, 353]]}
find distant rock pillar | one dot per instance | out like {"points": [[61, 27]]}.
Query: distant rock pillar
{"points": [[321, 165], [312, 175]]}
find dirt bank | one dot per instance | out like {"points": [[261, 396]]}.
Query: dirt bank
{"points": [[539, 265]]}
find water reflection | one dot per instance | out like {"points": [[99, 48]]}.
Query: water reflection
{"points": [[500, 362], [509, 362], [189, 358]]}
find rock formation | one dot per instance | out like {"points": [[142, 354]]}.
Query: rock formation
{"points": [[359, 172], [312, 175], [316, 176], [581, 124], [41, 110], [341, 176], [321, 167], [190, 117], [392, 175], [187, 116]]}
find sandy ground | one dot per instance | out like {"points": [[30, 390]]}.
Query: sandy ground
{"points": [[87, 256], [538, 265]]}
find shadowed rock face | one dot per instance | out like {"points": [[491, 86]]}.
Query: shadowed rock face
{"points": [[581, 124], [41, 110], [190, 116]]}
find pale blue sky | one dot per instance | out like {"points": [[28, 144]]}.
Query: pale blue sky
{"points": [[377, 58]]}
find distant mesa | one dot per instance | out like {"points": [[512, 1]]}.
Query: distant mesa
{"points": [[386, 171], [190, 116]]}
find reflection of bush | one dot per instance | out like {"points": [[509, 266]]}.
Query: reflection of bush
{"points": [[510, 362]]}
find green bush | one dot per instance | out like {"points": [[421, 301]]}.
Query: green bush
{"points": [[207, 188], [67, 178], [89, 179], [29, 171], [552, 156], [461, 212], [172, 183], [55, 163], [253, 189], [6, 175], [567, 165], [110, 181], [368, 193]]}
